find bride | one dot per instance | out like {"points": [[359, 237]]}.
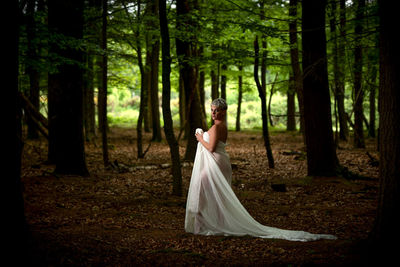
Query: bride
{"points": [[212, 207]]}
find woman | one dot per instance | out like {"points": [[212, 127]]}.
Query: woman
{"points": [[212, 207]]}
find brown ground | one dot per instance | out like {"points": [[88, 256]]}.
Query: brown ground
{"points": [[128, 217]]}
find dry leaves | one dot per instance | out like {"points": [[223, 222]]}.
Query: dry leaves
{"points": [[127, 215]]}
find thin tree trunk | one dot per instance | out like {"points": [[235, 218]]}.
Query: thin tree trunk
{"points": [[143, 81], [340, 89], [182, 105], [168, 123], [358, 90], [155, 102], [291, 106], [263, 99], [223, 81], [270, 101], [372, 96], [103, 93], [335, 87], [321, 153], [214, 84], [31, 70], [294, 57], [154, 54], [240, 95]]}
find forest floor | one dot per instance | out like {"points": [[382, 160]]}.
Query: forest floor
{"points": [[126, 216]]}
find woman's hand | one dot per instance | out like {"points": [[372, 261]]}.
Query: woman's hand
{"points": [[199, 137]]}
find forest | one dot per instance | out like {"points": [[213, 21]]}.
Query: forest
{"points": [[106, 97]]}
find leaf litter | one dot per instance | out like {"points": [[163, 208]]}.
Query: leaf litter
{"points": [[126, 215]]}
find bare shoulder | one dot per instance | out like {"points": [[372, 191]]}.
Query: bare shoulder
{"points": [[222, 131], [220, 127]]}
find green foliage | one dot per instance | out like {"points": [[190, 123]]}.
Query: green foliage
{"points": [[225, 30]]}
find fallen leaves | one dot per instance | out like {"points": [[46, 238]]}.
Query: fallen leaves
{"points": [[127, 216]]}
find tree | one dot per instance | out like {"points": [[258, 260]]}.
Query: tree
{"points": [[295, 63], [103, 88], [263, 98], [358, 90], [291, 106], [92, 39], [240, 96], [152, 59], [168, 124], [224, 68], [186, 52], [65, 88], [16, 235], [321, 153], [340, 74], [386, 230], [31, 69]]}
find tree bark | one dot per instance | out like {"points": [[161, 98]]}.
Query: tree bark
{"points": [[31, 70], [372, 95], [103, 92], [223, 81], [240, 96], [186, 51], [16, 236], [66, 87], [153, 54], [358, 90], [291, 106], [386, 230], [166, 95], [340, 89], [321, 153], [89, 106], [294, 58], [263, 99]]}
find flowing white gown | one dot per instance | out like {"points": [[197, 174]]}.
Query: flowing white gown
{"points": [[212, 207]]}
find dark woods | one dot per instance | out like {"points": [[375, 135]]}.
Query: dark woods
{"points": [[330, 56]]}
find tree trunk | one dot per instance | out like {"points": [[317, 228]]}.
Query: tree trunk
{"points": [[291, 106], [155, 102], [223, 80], [214, 83], [31, 70], [88, 99], [386, 230], [340, 89], [153, 47], [240, 95], [321, 153], [372, 96], [186, 51], [182, 105], [335, 87], [143, 80], [66, 88], [270, 100], [263, 99], [103, 92], [294, 58], [15, 224], [358, 90], [166, 95]]}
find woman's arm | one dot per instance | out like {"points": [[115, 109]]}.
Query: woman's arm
{"points": [[212, 144]]}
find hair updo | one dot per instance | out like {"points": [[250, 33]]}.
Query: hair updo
{"points": [[220, 103]]}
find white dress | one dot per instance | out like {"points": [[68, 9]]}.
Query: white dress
{"points": [[212, 207]]}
